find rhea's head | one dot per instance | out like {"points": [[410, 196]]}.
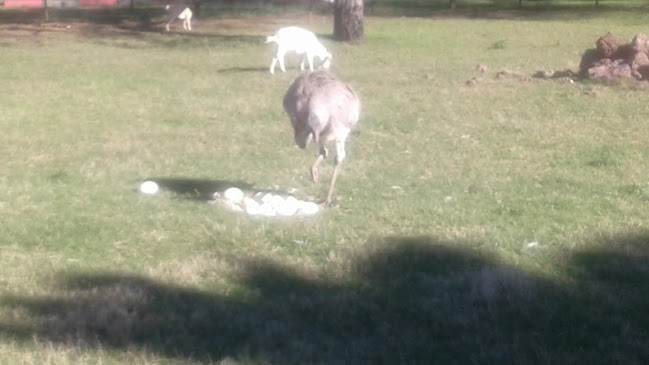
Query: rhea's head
{"points": [[303, 135]]}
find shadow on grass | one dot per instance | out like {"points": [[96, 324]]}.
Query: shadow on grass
{"points": [[172, 39], [497, 9], [398, 300], [199, 189], [232, 70], [204, 189]]}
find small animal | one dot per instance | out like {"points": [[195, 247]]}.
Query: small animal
{"points": [[322, 109], [179, 11], [300, 41]]}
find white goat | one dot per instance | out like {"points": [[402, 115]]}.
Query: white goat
{"points": [[179, 11], [300, 41]]}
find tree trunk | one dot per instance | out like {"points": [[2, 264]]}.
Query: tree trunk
{"points": [[46, 13], [348, 20], [451, 4], [196, 8]]}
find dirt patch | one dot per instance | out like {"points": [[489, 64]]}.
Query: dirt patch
{"points": [[483, 74], [611, 60], [131, 27]]}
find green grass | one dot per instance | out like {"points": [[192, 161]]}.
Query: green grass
{"points": [[423, 259]]}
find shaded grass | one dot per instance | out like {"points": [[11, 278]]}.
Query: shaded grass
{"points": [[406, 300]]}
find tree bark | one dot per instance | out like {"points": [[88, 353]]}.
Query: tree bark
{"points": [[46, 13], [196, 8], [348, 20]]}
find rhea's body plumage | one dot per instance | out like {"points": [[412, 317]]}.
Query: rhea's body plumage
{"points": [[322, 109]]}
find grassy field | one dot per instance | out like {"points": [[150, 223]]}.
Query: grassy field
{"points": [[485, 218]]}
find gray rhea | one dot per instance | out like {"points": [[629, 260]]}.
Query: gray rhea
{"points": [[322, 109]]}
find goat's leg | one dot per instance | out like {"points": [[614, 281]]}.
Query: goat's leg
{"points": [[302, 64], [310, 59], [272, 65], [281, 63], [168, 23]]}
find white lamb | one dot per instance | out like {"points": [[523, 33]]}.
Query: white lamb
{"points": [[300, 41], [179, 11]]}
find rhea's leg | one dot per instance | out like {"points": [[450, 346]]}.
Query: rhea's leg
{"points": [[333, 182], [314, 167], [340, 156]]}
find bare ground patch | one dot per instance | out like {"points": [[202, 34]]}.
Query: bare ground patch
{"points": [[130, 27]]}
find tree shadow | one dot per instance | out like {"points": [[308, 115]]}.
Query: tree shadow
{"points": [[231, 70], [171, 39], [525, 10], [411, 300]]}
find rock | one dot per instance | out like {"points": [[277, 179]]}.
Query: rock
{"points": [[607, 45], [612, 60]]}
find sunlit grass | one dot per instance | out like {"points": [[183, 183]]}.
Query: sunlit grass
{"points": [[484, 221]]}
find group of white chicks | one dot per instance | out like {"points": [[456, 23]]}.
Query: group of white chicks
{"points": [[266, 204]]}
